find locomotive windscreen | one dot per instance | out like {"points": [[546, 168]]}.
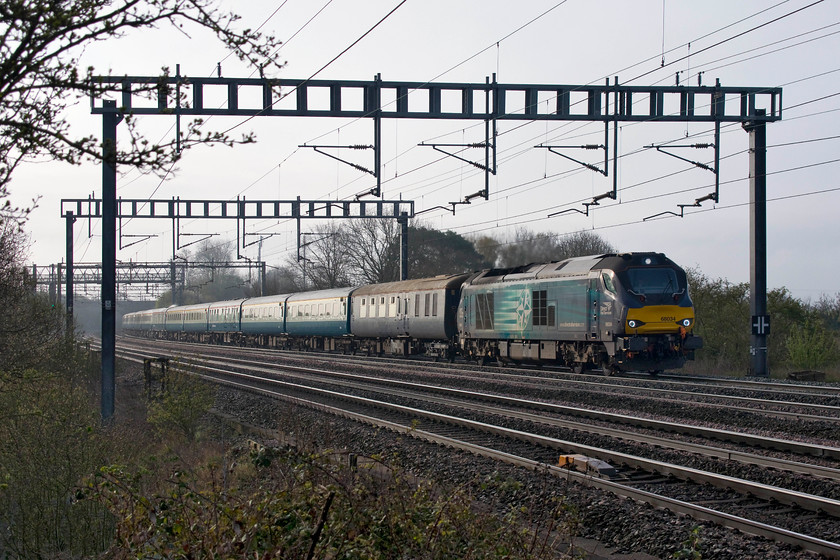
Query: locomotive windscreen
{"points": [[653, 281]]}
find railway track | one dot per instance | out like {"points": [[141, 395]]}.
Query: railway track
{"points": [[813, 403], [519, 431]]}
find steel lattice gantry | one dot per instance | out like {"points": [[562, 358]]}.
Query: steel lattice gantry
{"points": [[240, 210], [489, 101], [129, 273]]}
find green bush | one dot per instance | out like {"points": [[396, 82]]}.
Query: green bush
{"points": [[811, 346], [723, 320], [303, 506], [181, 407], [49, 441]]}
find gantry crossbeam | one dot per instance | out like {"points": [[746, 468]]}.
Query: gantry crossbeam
{"points": [[439, 100]]}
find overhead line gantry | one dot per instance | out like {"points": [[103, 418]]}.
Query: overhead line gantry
{"points": [[489, 101]]}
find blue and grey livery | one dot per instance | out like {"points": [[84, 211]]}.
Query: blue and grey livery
{"points": [[611, 311]]}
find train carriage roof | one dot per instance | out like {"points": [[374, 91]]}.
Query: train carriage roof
{"points": [[266, 300], [226, 303], [320, 295], [191, 307], [443, 281]]}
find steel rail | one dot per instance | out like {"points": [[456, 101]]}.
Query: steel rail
{"points": [[763, 491], [730, 398], [801, 448], [778, 534]]}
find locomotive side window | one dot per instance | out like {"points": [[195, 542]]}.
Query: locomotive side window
{"points": [[539, 306], [484, 311]]}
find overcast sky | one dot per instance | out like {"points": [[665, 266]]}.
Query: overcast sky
{"points": [[539, 42]]}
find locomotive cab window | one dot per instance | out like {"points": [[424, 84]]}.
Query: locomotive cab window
{"points": [[608, 283]]}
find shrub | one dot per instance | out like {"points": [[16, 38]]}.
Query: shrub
{"points": [[811, 346], [180, 408]]}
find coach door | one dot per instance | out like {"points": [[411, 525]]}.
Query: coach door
{"points": [[402, 314]]}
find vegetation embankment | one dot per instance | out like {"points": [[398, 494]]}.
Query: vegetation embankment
{"points": [[158, 482]]}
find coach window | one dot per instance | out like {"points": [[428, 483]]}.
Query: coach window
{"points": [[426, 305], [434, 305], [416, 305]]}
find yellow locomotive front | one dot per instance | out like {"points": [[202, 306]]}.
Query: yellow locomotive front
{"points": [[656, 313]]}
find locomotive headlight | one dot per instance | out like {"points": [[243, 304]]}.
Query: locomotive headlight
{"points": [[632, 324], [686, 322]]}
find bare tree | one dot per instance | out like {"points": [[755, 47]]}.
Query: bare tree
{"points": [[324, 261], [373, 250], [40, 76]]}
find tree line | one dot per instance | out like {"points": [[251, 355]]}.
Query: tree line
{"points": [[367, 251]]}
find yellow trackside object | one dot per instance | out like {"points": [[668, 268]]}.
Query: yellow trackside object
{"points": [[588, 465], [659, 319]]}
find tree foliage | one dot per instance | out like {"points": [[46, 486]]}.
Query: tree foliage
{"points": [[723, 320], [368, 252], [48, 442], [433, 252], [41, 75], [811, 345], [32, 329], [180, 408], [295, 506], [528, 246]]}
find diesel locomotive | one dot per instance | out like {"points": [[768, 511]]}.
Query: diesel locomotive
{"points": [[629, 311]]}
